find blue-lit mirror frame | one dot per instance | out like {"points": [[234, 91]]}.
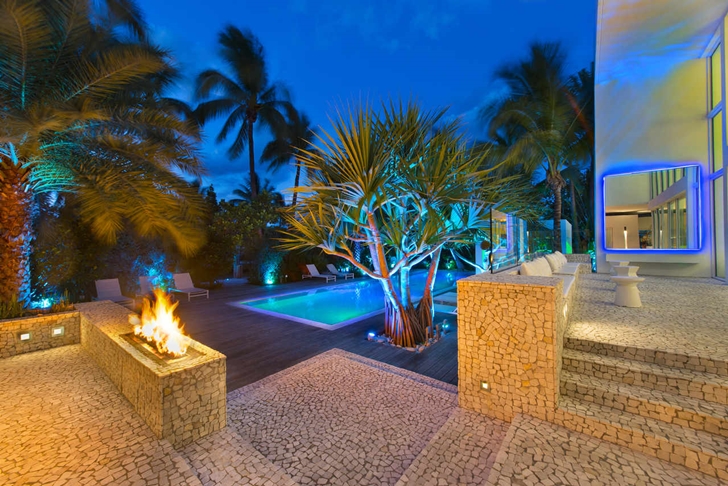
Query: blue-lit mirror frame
{"points": [[660, 251]]}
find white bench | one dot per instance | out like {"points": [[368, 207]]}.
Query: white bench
{"points": [[552, 265]]}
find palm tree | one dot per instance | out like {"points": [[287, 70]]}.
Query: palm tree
{"points": [[266, 189], [405, 188], [291, 140], [245, 98], [543, 120], [81, 111]]}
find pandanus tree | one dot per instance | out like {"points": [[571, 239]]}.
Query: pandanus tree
{"points": [[545, 124], [82, 110], [248, 99], [289, 140], [404, 185]]}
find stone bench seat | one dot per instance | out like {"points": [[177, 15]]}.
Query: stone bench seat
{"points": [[568, 282], [568, 269]]}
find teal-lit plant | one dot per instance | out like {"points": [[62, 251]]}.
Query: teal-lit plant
{"points": [[403, 184], [82, 110]]}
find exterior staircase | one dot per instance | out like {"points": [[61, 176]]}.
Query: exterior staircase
{"points": [[632, 397]]}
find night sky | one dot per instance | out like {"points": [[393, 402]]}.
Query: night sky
{"points": [[442, 52]]}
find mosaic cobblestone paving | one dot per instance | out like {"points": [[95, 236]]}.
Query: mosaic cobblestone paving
{"points": [[64, 422], [461, 453], [535, 452], [224, 458], [340, 419], [678, 315]]}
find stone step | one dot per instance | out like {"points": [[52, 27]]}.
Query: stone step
{"points": [[660, 357], [675, 409], [694, 449], [225, 458], [678, 381], [538, 452], [461, 452]]}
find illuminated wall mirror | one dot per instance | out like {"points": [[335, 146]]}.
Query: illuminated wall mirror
{"points": [[653, 210]]}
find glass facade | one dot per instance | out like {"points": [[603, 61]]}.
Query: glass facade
{"points": [[717, 68]]}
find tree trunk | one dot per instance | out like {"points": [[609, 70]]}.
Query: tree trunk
{"points": [[426, 308], [296, 180], [251, 155], [557, 219], [16, 201], [574, 214]]}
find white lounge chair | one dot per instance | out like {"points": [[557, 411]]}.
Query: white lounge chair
{"points": [[109, 289], [313, 272], [183, 285], [335, 271]]}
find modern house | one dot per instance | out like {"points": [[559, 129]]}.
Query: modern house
{"points": [[660, 136]]}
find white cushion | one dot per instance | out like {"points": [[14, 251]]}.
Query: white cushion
{"points": [[527, 268], [561, 257], [554, 262], [543, 267]]}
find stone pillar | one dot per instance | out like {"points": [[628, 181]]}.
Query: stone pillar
{"points": [[510, 335]]}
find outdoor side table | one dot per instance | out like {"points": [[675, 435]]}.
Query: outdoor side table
{"points": [[627, 295], [626, 270]]}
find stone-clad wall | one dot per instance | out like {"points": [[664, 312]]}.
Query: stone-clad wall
{"points": [[510, 334], [40, 328], [580, 258], [181, 401]]}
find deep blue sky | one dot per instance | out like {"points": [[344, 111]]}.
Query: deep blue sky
{"points": [[442, 52]]}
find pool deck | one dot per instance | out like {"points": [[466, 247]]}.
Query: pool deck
{"points": [[258, 345]]}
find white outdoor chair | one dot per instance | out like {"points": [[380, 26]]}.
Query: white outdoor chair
{"points": [[183, 285], [109, 289], [335, 271], [313, 272]]}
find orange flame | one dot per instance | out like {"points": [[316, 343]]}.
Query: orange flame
{"points": [[160, 326]]}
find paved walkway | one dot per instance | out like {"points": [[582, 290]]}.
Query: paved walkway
{"points": [[337, 419], [62, 421], [684, 316]]}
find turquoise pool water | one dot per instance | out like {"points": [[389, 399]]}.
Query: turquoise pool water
{"points": [[338, 305]]}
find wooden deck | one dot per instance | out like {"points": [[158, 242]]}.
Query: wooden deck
{"points": [[258, 345]]}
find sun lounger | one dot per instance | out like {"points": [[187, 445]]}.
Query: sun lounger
{"points": [[109, 289], [335, 271], [183, 285], [313, 272]]}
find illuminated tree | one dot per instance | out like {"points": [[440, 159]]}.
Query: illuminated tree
{"points": [[403, 185], [81, 110], [246, 98], [541, 120]]}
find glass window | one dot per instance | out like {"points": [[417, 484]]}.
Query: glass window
{"points": [[715, 82], [719, 227], [717, 141]]}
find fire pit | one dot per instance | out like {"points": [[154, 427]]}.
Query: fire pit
{"points": [[159, 326], [176, 384]]}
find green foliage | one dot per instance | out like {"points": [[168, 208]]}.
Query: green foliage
{"points": [[12, 309], [266, 266], [83, 109]]}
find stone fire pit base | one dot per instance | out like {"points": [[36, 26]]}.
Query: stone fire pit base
{"points": [[180, 399]]}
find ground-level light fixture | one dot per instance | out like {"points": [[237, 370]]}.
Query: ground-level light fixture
{"points": [[485, 386], [371, 335], [25, 335], [58, 331], [566, 309]]}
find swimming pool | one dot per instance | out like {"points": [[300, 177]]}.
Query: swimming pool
{"points": [[338, 305]]}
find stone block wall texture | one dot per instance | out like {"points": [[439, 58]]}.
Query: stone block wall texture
{"points": [[510, 334], [181, 401], [580, 258], [40, 328]]}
